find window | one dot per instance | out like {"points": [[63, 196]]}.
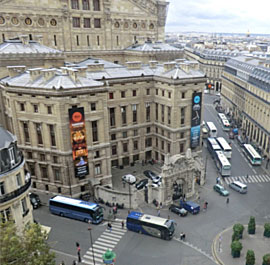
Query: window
{"points": [[42, 157], [148, 130], [124, 115], [112, 117], [113, 136], [98, 41], [75, 4], [169, 115], [124, 134], [134, 93], [59, 190], [163, 93], [35, 108], [117, 40], [52, 135], [55, 159], [183, 94], [94, 131], [39, 133], [76, 22], [97, 169], [114, 150], [88, 40], [78, 44], [148, 91], [5, 215], [44, 172], [55, 40], [182, 135], [169, 148], [134, 113], [111, 95], [162, 145], [24, 206], [123, 94], [56, 173], [162, 132], [148, 142], [156, 129], [125, 147], [22, 107], [156, 92], [93, 106], [85, 5], [97, 23], [86, 23], [147, 105], [32, 169], [135, 145], [96, 5], [169, 94], [156, 111], [183, 115], [181, 148], [156, 142], [162, 113], [2, 188], [29, 155], [135, 132], [97, 155], [49, 109]]}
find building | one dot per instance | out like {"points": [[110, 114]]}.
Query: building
{"points": [[246, 96], [84, 25], [14, 182], [131, 113]]}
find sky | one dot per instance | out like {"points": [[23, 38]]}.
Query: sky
{"points": [[219, 16]]}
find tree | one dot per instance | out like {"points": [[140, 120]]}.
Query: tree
{"points": [[250, 257], [251, 225], [236, 248], [238, 229], [266, 230], [29, 247], [266, 259]]}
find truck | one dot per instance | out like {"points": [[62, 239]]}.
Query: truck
{"points": [[190, 206]]}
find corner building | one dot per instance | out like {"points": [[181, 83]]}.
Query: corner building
{"points": [[132, 113]]}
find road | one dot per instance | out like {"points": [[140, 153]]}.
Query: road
{"points": [[133, 249]]}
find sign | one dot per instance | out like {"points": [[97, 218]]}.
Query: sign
{"points": [[78, 141], [195, 119]]}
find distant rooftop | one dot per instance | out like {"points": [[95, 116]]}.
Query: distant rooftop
{"points": [[149, 46]]}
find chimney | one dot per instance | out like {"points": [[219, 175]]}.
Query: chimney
{"points": [[73, 74], [35, 73], [134, 65], [48, 74], [168, 66], [95, 67], [185, 67], [24, 39], [15, 70], [153, 64], [194, 65], [82, 71], [39, 39]]}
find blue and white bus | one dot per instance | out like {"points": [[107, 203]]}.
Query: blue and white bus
{"points": [[212, 130], [225, 147], [226, 126], [150, 225], [252, 155], [213, 146], [76, 209], [223, 165]]}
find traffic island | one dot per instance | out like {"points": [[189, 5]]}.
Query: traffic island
{"points": [[257, 242]]}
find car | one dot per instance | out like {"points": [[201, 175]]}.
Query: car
{"points": [[141, 184], [190, 206], [178, 210], [231, 135], [240, 140], [129, 179], [153, 176], [154, 185], [238, 186], [35, 200], [221, 190]]}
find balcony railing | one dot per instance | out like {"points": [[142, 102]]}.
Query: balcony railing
{"points": [[15, 193]]}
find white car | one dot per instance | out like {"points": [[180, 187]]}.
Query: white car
{"points": [[154, 185], [129, 178]]}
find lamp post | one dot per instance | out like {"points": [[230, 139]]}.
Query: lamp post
{"points": [[91, 241]]}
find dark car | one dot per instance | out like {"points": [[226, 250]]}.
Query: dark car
{"points": [[154, 177], [178, 210], [240, 140], [35, 200], [141, 184]]}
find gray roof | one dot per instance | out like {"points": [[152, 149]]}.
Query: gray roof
{"points": [[6, 138], [156, 47], [16, 46], [107, 64]]}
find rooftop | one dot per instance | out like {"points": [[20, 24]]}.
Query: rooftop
{"points": [[6, 138], [149, 46]]}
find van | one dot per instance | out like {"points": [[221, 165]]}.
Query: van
{"points": [[204, 133], [190, 206], [238, 186]]}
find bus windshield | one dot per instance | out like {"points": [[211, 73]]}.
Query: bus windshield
{"points": [[170, 225]]}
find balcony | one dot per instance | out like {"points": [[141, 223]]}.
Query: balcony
{"points": [[8, 166], [15, 193]]}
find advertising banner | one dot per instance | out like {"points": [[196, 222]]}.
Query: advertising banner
{"points": [[78, 141], [195, 119]]}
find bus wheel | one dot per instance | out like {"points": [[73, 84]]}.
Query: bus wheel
{"points": [[140, 231], [61, 214], [86, 220]]}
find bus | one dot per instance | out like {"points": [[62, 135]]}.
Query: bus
{"points": [[225, 147], [150, 225], [223, 165], [204, 132], [222, 116], [212, 146], [226, 126], [252, 155], [76, 209], [212, 130]]}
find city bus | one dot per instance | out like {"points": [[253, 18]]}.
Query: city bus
{"points": [[76, 209], [212, 130], [222, 116], [225, 147], [252, 155], [226, 126], [223, 165], [212, 146], [150, 225]]}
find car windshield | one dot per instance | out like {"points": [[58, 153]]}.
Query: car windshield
{"points": [[33, 199]]}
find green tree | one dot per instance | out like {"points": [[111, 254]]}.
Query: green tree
{"points": [[239, 229], [29, 247], [250, 257], [252, 225], [266, 259], [266, 230], [236, 248]]}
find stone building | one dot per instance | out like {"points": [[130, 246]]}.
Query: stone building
{"points": [[246, 95], [84, 25], [14, 183], [132, 113]]}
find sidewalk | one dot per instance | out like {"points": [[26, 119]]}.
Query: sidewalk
{"points": [[258, 243]]}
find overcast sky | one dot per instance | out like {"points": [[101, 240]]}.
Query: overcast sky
{"points": [[236, 16]]}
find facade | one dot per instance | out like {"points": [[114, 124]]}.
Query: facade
{"points": [[14, 183], [132, 113], [84, 25], [246, 95]]}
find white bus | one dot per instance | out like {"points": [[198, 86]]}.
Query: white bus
{"points": [[222, 116], [225, 147], [252, 155], [212, 130], [226, 126], [223, 165]]}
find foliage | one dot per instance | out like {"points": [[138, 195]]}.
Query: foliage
{"points": [[29, 247], [266, 230], [266, 259], [251, 225], [239, 229], [236, 248], [250, 257], [236, 236]]}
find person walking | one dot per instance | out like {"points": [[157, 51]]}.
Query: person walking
{"points": [[110, 226], [123, 224], [158, 213], [227, 200], [78, 252], [247, 177]]}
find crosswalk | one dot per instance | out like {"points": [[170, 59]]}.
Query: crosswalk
{"points": [[107, 240], [248, 179]]}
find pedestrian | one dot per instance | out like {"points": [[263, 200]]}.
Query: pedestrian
{"points": [[123, 224], [228, 200], [247, 177], [217, 180], [169, 217], [181, 235], [158, 213], [110, 226], [78, 251], [74, 262], [204, 207], [160, 205]]}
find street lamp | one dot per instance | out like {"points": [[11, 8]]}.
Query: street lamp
{"points": [[91, 241]]}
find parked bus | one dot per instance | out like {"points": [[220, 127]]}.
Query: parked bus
{"points": [[222, 116], [213, 146], [76, 209], [223, 164], [225, 147], [150, 225], [252, 155], [212, 130], [226, 126]]}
